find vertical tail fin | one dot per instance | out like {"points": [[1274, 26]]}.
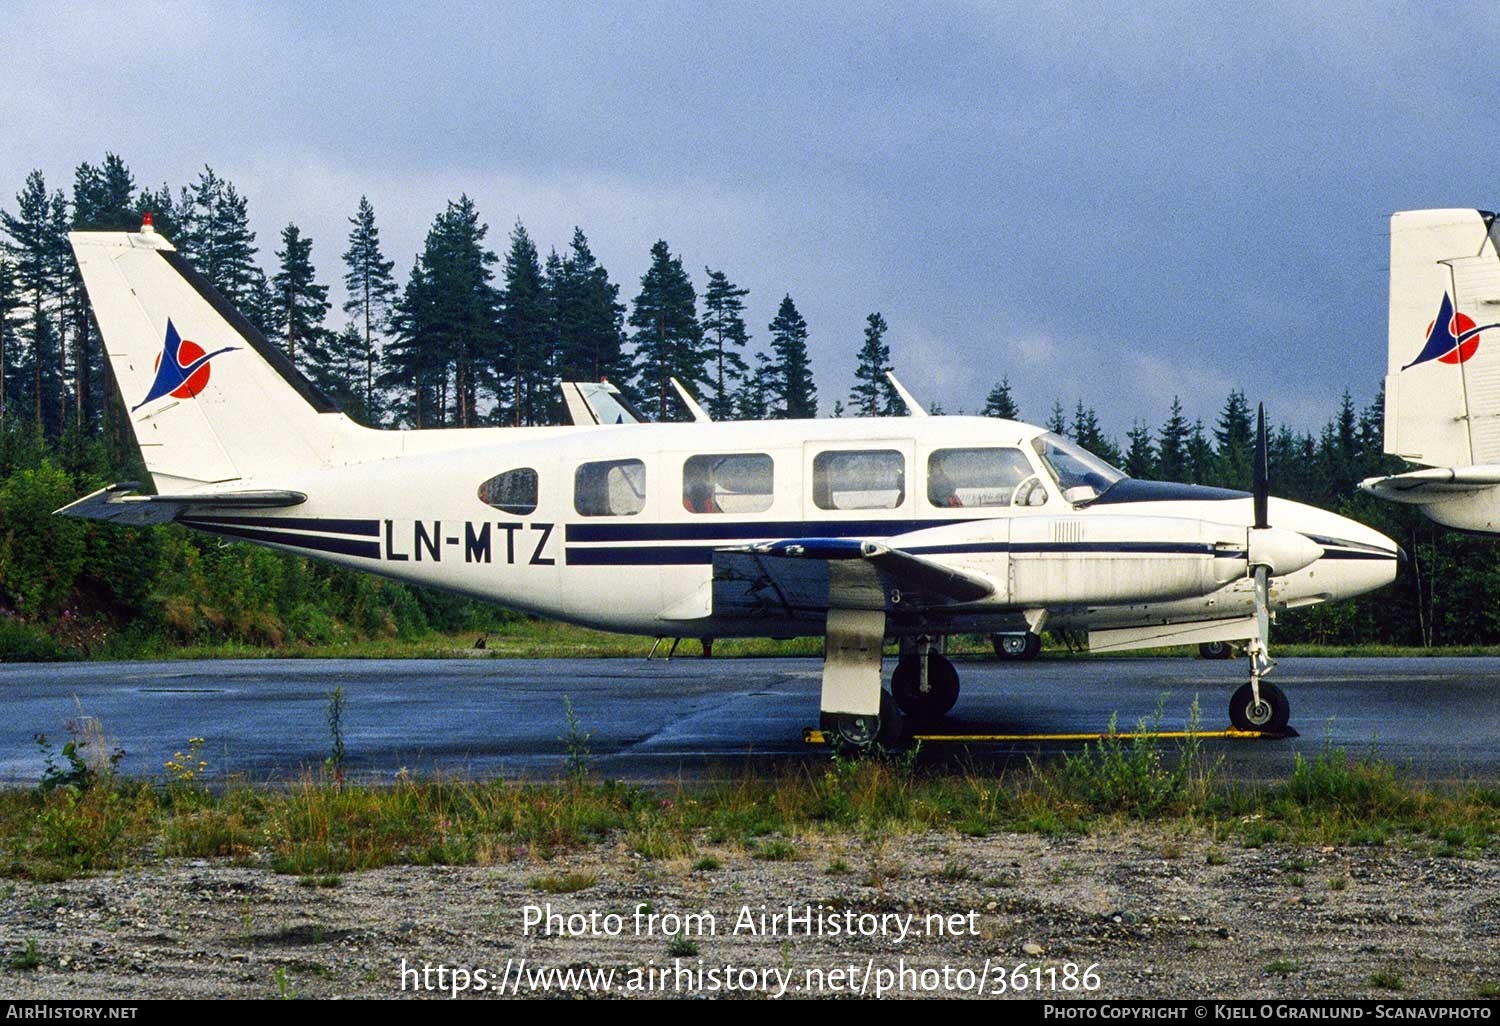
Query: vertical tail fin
{"points": [[210, 400], [1442, 385]]}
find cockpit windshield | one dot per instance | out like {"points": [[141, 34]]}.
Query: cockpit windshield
{"points": [[1080, 474]]}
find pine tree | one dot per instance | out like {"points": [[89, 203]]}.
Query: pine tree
{"points": [[1000, 403], [303, 302], [525, 332], [1140, 457], [9, 301], [668, 337], [725, 334], [215, 235], [874, 395], [796, 395], [1172, 452], [590, 319], [372, 291], [36, 246]]}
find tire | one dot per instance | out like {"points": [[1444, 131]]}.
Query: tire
{"points": [[1215, 650], [942, 687], [1017, 647], [1270, 718], [848, 734]]}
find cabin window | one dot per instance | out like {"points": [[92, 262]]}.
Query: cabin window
{"points": [[511, 492], [734, 483], [610, 488], [859, 479], [974, 477]]}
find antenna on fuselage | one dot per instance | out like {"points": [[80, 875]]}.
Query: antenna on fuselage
{"points": [[699, 413], [913, 408]]}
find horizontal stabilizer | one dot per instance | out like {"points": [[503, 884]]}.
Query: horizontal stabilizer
{"points": [[1122, 639], [1424, 487], [805, 577], [119, 504]]}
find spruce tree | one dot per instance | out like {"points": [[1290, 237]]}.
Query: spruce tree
{"points": [[104, 199], [1172, 451], [668, 337], [412, 360], [726, 336], [590, 319], [873, 394], [1086, 433], [527, 354], [1200, 455], [372, 291], [1056, 422], [753, 401], [303, 302], [1140, 457], [335, 361], [1000, 403], [1235, 435], [795, 394]]}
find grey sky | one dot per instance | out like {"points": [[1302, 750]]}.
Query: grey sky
{"points": [[1107, 201]]}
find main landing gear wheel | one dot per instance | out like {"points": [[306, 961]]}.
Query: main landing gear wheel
{"points": [[1215, 650], [1270, 715], [942, 686], [854, 735], [1023, 647]]}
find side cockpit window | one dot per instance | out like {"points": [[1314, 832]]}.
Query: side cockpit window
{"points": [[974, 477], [610, 488], [511, 492], [735, 483]]}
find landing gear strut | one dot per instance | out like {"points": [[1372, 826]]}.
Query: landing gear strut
{"points": [[925, 683]]}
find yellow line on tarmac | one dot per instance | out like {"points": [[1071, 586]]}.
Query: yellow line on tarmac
{"points": [[817, 737]]}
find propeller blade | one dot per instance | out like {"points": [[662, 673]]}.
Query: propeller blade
{"points": [[1262, 487]]}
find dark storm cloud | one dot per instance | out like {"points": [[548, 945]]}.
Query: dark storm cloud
{"points": [[1109, 202]]}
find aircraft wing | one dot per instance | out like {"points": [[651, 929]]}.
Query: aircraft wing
{"points": [[1423, 487], [118, 504], [804, 577]]}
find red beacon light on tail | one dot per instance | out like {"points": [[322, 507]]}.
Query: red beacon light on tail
{"points": [[147, 227]]}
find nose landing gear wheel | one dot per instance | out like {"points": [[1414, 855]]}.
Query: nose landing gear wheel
{"points": [[1023, 647], [942, 687], [849, 734], [1270, 715]]}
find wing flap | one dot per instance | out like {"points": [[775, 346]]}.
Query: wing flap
{"points": [[802, 578]]}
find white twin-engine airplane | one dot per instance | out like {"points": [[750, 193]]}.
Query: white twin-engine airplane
{"points": [[855, 529], [1442, 386]]}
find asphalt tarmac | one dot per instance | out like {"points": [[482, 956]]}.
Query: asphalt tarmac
{"points": [[1438, 718]]}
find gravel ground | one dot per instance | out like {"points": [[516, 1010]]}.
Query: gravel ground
{"points": [[1155, 912]]}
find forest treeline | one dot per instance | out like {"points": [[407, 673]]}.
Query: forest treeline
{"points": [[468, 337]]}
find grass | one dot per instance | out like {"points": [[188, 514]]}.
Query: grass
{"points": [[1387, 980], [317, 831], [565, 883]]}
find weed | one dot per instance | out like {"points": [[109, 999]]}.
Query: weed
{"points": [[576, 740], [775, 851], [1282, 967], [1215, 857], [955, 872], [1338, 883], [566, 883], [1387, 980], [327, 880], [335, 760], [682, 947], [284, 989], [838, 867], [1489, 990], [707, 864], [27, 958]]}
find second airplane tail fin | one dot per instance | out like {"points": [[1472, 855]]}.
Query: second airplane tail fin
{"points": [[1442, 385], [209, 398]]}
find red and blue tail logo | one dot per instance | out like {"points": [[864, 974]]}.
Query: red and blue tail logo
{"points": [[1451, 337], [181, 368]]}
